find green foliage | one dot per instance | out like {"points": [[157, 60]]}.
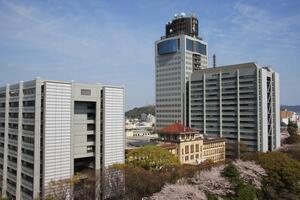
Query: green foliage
{"points": [[211, 197], [136, 112], [283, 177], [292, 128], [293, 151], [151, 158], [232, 174], [247, 192]]}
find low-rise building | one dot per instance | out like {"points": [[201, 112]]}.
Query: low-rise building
{"points": [[288, 116], [189, 147]]}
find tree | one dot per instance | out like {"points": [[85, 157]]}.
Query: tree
{"points": [[292, 150], [232, 174], [250, 172], [179, 192], [141, 183], [292, 128], [151, 158], [293, 139], [283, 177], [247, 192], [211, 181]]}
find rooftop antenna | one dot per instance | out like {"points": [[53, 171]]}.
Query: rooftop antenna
{"points": [[214, 60]]}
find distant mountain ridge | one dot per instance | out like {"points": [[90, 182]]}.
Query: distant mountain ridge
{"points": [[137, 111], [295, 108]]}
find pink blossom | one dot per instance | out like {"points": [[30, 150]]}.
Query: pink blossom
{"points": [[212, 182], [179, 192]]}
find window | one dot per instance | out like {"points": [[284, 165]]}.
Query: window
{"points": [[195, 46], [186, 158], [197, 147], [90, 127], [189, 45], [168, 46], [86, 92], [186, 149], [90, 138], [90, 149], [192, 148]]}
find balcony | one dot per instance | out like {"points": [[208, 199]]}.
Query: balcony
{"points": [[11, 176], [11, 189], [28, 121], [13, 109], [28, 133], [13, 131], [28, 109], [13, 142], [27, 184], [27, 171], [26, 196], [27, 158], [2, 120], [28, 145], [11, 164], [12, 153]]}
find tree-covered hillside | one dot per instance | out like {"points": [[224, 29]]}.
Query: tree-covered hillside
{"points": [[137, 111]]}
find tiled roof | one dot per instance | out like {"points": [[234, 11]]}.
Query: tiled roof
{"points": [[167, 145], [175, 128], [286, 114]]}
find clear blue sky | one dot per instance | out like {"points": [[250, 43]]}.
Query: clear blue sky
{"points": [[112, 42]]}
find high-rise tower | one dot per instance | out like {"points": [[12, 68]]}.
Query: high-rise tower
{"points": [[177, 55]]}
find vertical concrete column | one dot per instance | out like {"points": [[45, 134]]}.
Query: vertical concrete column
{"points": [[220, 102], [238, 110], [277, 109], [258, 107], [37, 139], [72, 129], [98, 132], [5, 149], [204, 104], [20, 127]]}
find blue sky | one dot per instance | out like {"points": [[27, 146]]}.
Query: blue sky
{"points": [[112, 42]]}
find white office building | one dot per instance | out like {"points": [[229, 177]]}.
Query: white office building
{"points": [[50, 130], [177, 54], [238, 102]]}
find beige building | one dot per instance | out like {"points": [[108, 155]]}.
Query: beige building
{"points": [[190, 149]]}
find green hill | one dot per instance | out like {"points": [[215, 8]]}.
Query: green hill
{"points": [[137, 111]]}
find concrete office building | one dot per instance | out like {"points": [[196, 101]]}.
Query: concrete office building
{"points": [[49, 130], [177, 55], [238, 102]]}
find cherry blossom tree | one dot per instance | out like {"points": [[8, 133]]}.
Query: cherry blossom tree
{"points": [[211, 181], [179, 192], [250, 172]]}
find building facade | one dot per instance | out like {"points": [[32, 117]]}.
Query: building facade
{"points": [[183, 142], [50, 130], [238, 102], [177, 55]]}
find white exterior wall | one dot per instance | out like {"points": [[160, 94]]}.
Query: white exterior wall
{"points": [[114, 126], [277, 109], [57, 132], [264, 111]]}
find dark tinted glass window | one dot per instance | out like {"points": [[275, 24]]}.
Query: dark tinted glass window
{"points": [[169, 46], [189, 45], [200, 48], [195, 46]]}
